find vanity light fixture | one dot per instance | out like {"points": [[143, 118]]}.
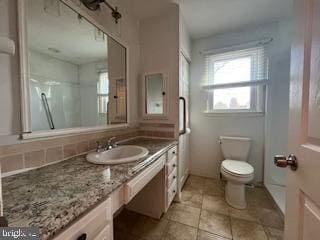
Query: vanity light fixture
{"points": [[94, 5]]}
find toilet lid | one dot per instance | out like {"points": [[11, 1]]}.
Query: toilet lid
{"points": [[237, 167]]}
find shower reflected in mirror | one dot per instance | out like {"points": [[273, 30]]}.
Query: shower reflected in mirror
{"points": [[77, 73]]}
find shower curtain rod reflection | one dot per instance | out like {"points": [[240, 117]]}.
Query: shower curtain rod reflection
{"points": [[47, 110], [94, 5]]}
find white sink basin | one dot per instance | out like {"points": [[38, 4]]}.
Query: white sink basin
{"points": [[118, 155]]}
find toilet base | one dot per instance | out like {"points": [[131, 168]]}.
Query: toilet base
{"points": [[235, 195]]}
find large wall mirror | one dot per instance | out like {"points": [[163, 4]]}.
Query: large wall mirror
{"points": [[76, 72]]}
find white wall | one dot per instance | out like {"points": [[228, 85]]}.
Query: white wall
{"points": [[184, 37], [9, 78], [277, 117], [206, 128], [184, 67], [160, 52], [9, 66]]}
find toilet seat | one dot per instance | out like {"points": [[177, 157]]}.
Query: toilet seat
{"points": [[237, 168]]}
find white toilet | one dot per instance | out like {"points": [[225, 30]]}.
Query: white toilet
{"points": [[235, 169]]}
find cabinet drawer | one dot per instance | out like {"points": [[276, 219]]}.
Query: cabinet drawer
{"points": [[172, 165], [139, 182], [172, 177], [171, 192], [91, 224], [172, 153]]}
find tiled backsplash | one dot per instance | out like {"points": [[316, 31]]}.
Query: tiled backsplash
{"points": [[41, 152], [157, 129]]}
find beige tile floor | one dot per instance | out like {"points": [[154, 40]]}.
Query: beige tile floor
{"points": [[203, 214]]}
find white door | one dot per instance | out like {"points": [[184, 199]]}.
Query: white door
{"points": [[184, 121], [302, 218]]}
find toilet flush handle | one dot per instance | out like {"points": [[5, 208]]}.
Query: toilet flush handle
{"points": [[283, 161]]}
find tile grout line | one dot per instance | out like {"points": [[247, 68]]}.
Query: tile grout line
{"points": [[166, 230], [213, 212], [217, 235], [200, 216]]}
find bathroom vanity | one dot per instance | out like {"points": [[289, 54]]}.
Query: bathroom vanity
{"points": [[75, 199]]}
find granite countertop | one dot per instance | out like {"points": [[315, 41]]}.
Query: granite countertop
{"points": [[53, 196]]}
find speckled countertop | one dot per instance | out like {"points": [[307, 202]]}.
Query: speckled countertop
{"points": [[53, 196]]}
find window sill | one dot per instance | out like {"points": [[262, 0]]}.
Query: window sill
{"points": [[234, 114]]}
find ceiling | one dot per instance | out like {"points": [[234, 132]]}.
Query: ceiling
{"points": [[143, 9], [208, 17]]}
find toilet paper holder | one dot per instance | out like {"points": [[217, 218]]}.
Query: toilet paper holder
{"points": [[7, 46]]}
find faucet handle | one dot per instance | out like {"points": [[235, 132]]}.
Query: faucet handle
{"points": [[110, 145], [111, 139], [99, 147]]}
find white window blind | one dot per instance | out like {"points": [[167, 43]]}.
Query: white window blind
{"points": [[103, 92], [235, 80]]}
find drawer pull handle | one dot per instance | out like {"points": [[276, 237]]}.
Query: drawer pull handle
{"points": [[174, 177], [174, 165], [82, 237], [174, 152], [174, 191]]}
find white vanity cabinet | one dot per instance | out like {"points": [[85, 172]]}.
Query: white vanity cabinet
{"points": [[95, 225], [171, 175]]}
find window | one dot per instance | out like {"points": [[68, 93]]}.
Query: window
{"points": [[103, 93], [236, 80]]}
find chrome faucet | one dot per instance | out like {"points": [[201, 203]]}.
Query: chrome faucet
{"points": [[110, 143]]}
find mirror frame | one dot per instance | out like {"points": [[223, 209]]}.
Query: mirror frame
{"points": [[164, 115], [24, 77]]}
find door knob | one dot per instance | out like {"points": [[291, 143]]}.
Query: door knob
{"points": [[283, 161]]}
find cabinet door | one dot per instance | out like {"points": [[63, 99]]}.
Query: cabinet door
{"points": [[184, 90], [155, 95], [183, 158], [94, 223]]}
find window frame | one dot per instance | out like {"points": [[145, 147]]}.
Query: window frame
{"points": [[257, 94], [101, 95]]}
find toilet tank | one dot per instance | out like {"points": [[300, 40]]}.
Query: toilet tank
{"points": [[235, 148]]}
